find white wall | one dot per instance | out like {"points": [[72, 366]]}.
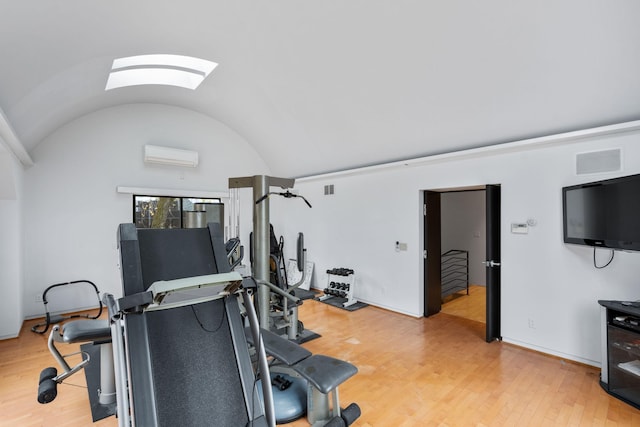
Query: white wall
{"points": [[10, 246], [464, 227], [71, 208], [544, 281], [70, 211]]}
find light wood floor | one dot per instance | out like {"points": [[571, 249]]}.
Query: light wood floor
{"points": [[472, 306], [412, 372]]}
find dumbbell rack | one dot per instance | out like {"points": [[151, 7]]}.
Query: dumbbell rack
{"points": [[340, 283]]}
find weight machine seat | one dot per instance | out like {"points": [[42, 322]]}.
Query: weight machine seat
{"points": [[282, 349], [323, 372], [86, 330]]}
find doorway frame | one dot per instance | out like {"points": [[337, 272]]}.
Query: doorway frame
{"points": [[431, 265]]}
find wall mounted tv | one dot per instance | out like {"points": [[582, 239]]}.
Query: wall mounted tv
{"points": [[603, 213]]}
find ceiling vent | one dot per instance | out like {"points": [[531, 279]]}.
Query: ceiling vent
{"points": [[598, 161], [170, 156], [328, 190]]}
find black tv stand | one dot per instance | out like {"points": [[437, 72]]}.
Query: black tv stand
{"points": [[620, 373]]}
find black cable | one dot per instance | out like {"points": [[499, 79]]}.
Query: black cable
{"points": [[284, 267], [256, 378], [608, 262], [222, 317], [287, 194]]}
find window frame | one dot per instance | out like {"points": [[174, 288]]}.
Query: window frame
{"points": [[181, 204]]}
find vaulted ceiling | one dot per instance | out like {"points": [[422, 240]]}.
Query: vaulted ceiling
{"points": [[317, 86]]}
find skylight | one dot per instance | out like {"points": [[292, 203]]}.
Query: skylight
{"points": [[172, 70]]}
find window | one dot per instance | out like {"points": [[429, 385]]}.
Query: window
{"points": [[176, 212]]}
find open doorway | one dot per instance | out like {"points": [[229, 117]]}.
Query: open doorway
{"points": [[463, 249], [439, 222]]}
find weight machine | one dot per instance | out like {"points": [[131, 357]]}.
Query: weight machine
{"points": [[277, 308], [179, 327], [277, 305]]}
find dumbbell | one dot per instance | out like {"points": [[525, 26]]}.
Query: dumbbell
{"points": [[280, 382]]}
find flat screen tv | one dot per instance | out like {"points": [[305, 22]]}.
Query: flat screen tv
{"points": [[603, 213]]}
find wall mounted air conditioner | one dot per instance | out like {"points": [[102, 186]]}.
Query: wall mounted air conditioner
{"points": [[170, 156]]}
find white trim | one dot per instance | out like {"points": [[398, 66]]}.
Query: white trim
{"points": [[9, 336], [546, 350], [531, 143], [10, 140], [201, 194], [385, 307]]}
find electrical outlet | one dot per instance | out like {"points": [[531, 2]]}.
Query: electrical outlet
{"points": [[38, 297], [532, 324]]}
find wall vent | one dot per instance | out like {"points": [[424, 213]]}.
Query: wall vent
{"points": [[328, 190], [598, 161]]}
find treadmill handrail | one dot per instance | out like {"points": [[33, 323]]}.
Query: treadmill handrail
{"points": [[163, 286], [160, 290]]}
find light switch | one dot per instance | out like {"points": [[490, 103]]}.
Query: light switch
{"points": [[401, 246], [522, 228]]}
